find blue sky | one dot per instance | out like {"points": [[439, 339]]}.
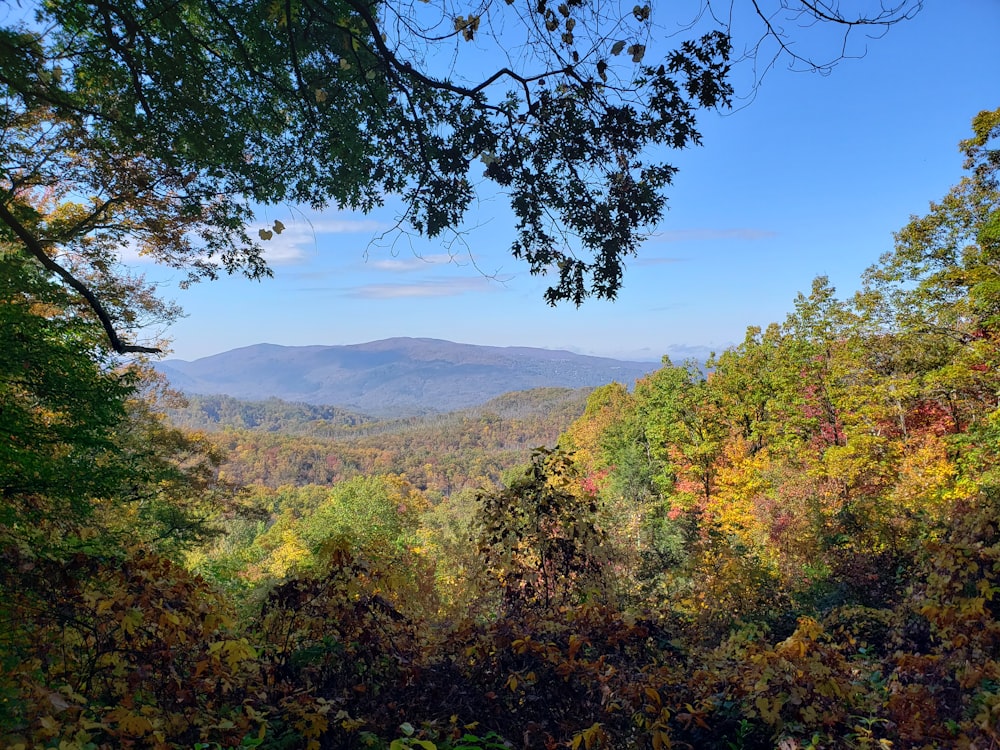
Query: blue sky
{"points": [[810, 178]]}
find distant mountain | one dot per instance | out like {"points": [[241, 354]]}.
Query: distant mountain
{"points": [[393, 377]]}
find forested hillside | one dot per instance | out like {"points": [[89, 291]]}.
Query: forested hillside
{"points": [[798, 549], [273, 443]]}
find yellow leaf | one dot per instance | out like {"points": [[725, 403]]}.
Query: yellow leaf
{"points": [[132, 621], [762, 705], [134, 725], [50, 725]]}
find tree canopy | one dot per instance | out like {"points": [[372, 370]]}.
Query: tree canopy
{"points": [[159, 126]]}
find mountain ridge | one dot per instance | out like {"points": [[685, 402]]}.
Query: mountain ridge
{"points": [[393, 377]]}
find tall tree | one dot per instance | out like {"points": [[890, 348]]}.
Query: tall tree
{"points": [[539, 537], [939, 289], [59, 404], [82, 445]]}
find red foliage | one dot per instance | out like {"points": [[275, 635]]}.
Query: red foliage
{"points": [[929, 416]]}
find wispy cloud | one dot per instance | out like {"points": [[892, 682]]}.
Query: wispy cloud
{"points": [[416, 263], [701, 235], [346, 226], [300, 238], [130, 256], [439, 287]]}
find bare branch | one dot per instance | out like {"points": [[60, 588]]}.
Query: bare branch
{"points": [[409, 70]]}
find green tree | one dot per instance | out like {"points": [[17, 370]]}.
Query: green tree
{"points": [[540, 537], [941, 277], [82, 444], [747, 379], [60, 403], [92, 488], [684, 428], [377, 515], [938, 288], [608, 444]]}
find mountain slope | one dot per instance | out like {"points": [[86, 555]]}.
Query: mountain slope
{"points": [[393, 377]]}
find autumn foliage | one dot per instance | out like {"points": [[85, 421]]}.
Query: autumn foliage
{"points": [[795, 546]]}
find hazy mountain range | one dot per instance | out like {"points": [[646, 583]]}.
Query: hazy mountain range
{"points": [[393, 377]]}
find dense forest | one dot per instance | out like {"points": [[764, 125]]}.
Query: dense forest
{"points": [[274, 443], [797, 546]]}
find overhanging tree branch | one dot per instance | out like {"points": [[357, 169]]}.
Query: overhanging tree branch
{"points": [[35, 249]]}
